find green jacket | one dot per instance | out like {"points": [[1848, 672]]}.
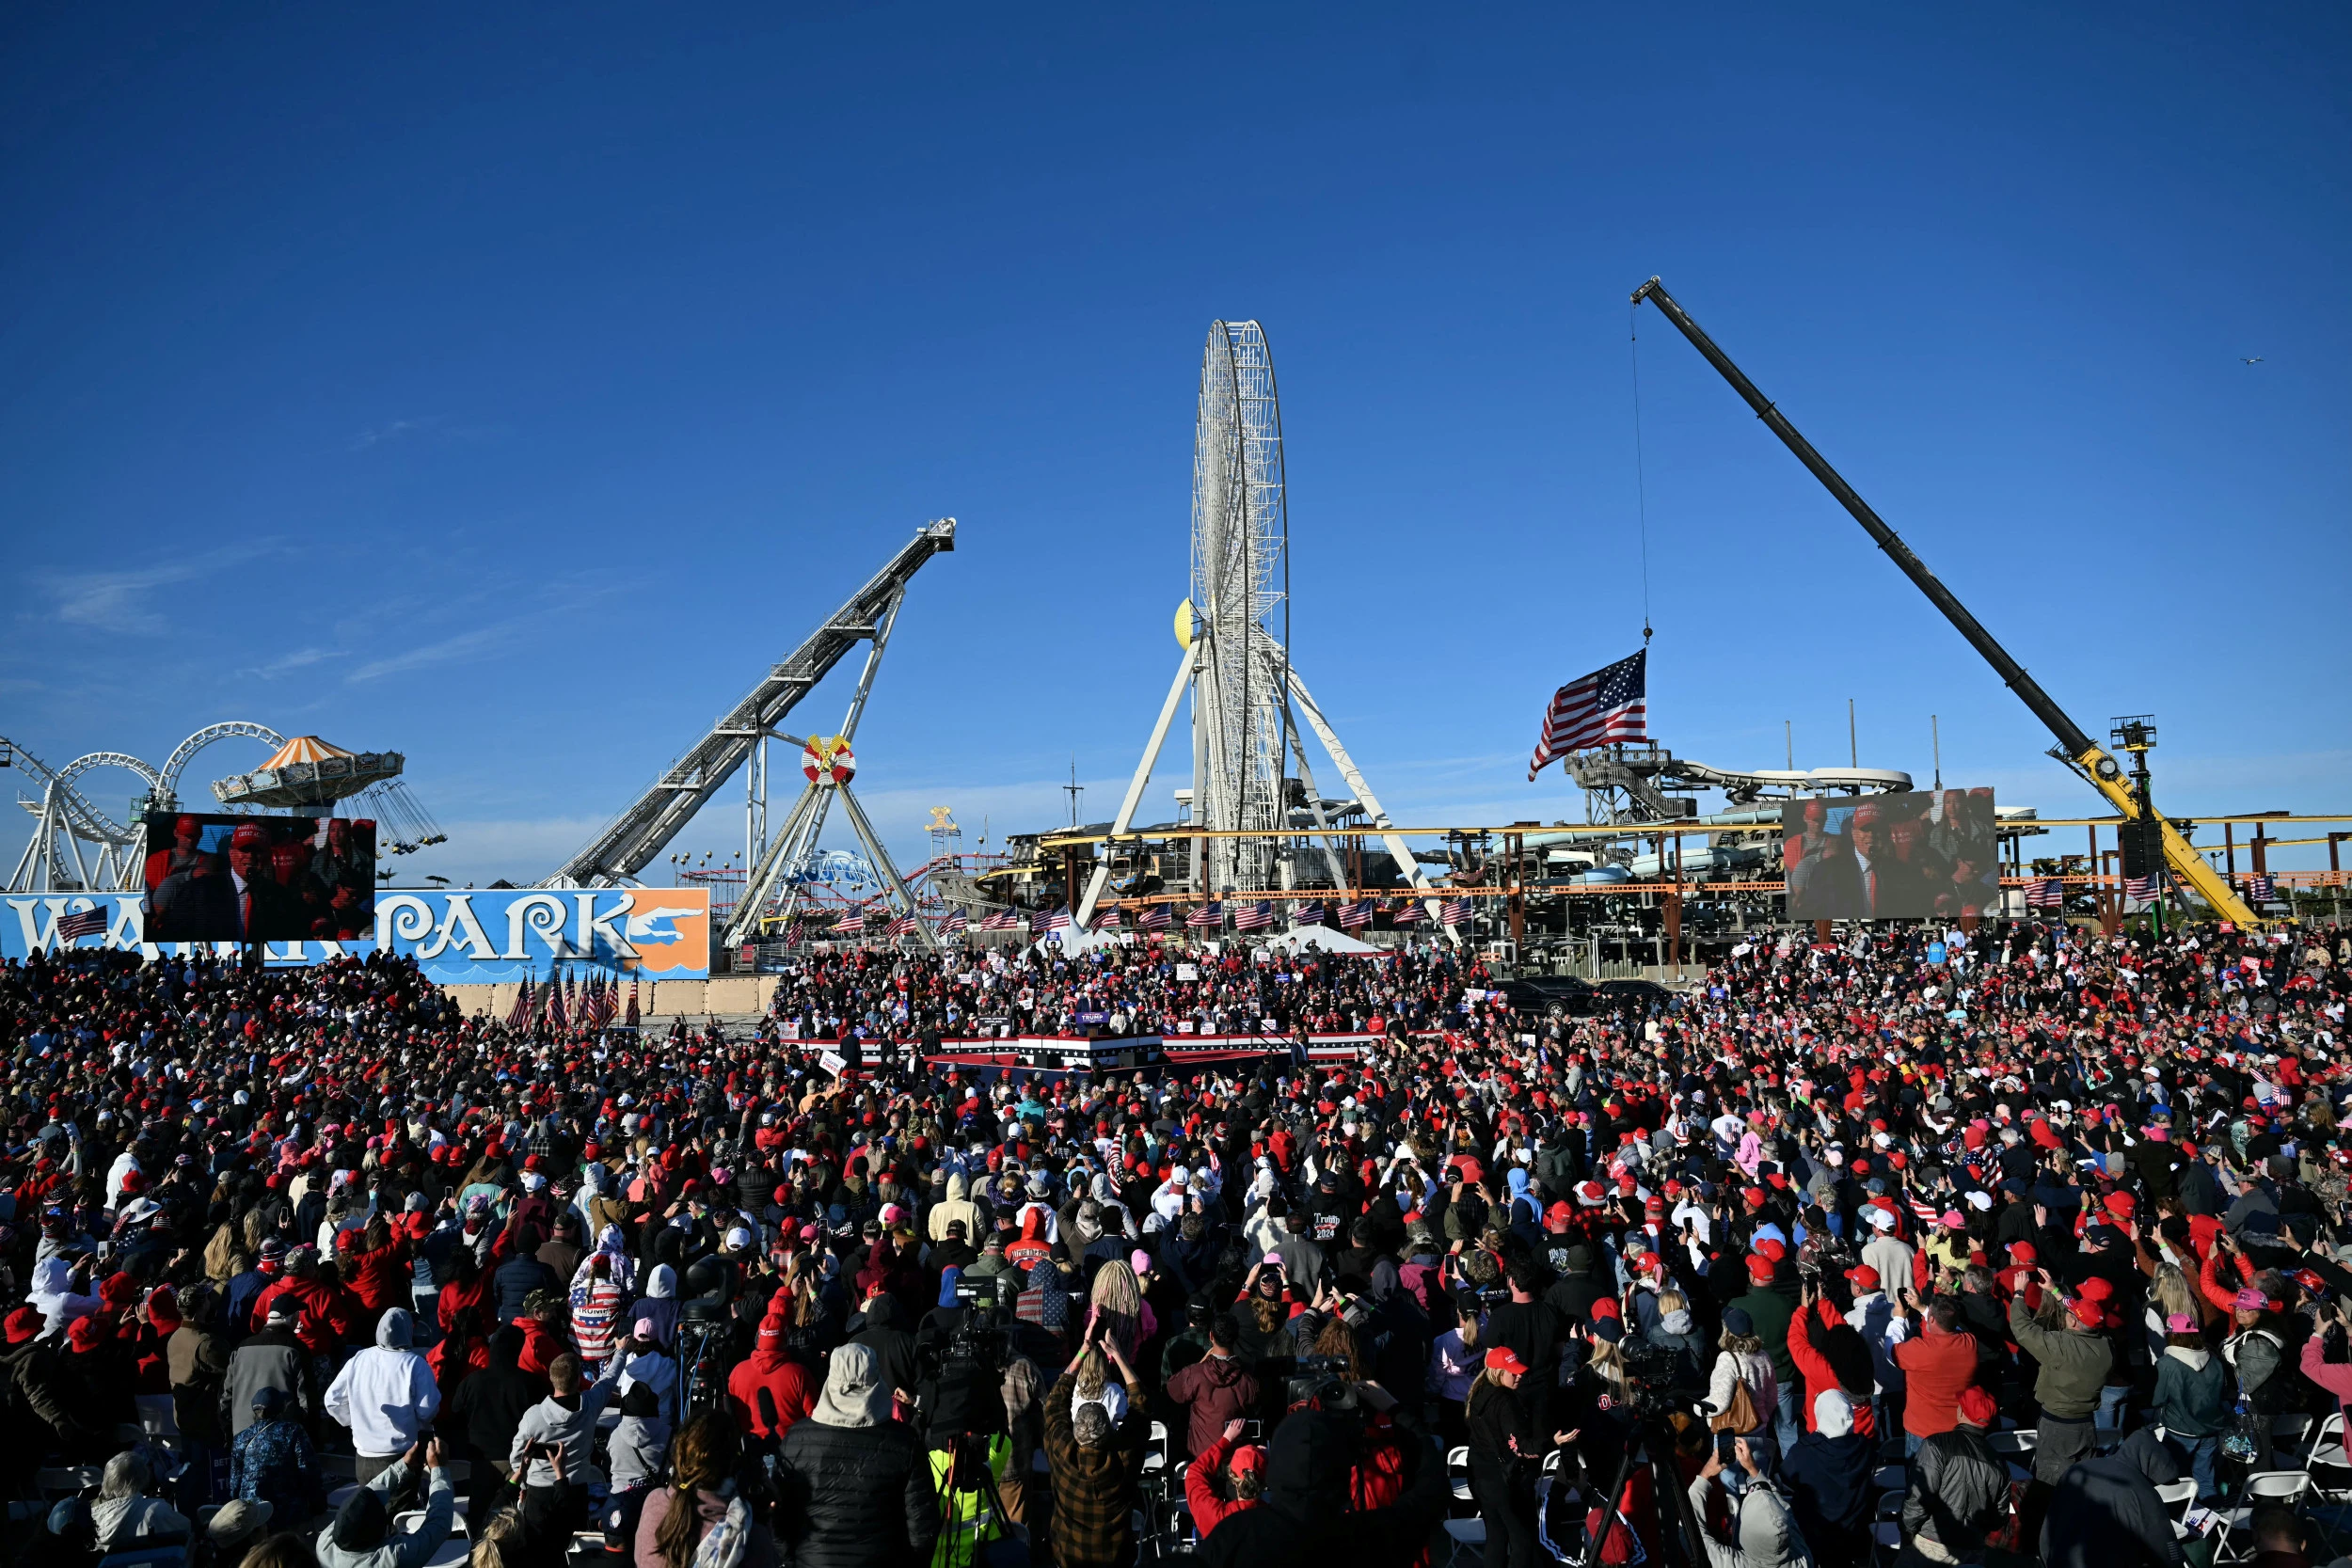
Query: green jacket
{"points": [[1771, 1311], [2074, 1363]]}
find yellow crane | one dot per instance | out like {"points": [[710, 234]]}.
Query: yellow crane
{"points": [[2074, 746]]}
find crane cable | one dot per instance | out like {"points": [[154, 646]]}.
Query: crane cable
{"points": [[1641, 488]]}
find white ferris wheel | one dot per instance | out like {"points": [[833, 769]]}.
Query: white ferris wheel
{"points": [[1248, 701]]}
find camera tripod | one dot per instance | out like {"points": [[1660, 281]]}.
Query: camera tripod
{"points": [[968, 1471], [1685, 1542]]}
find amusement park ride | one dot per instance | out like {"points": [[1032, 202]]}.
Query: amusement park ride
{"points": [[77, 847], [785, 869]]}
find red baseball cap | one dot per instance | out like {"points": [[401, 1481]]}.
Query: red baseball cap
{"points": [[1502, 1358], [1863, 1275]]}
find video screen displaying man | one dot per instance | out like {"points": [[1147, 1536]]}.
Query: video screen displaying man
{"points": [[259, 879], [1891, 857]]}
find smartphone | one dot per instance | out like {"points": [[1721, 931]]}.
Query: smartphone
{"points": [[1252, 1432]]}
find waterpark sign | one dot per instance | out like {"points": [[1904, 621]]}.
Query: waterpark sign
{"points": [[456, 936]]}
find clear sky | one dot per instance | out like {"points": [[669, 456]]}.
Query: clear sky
{"points": [[509, 385]]}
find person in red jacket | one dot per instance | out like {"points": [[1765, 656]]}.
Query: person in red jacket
{"points": [[1939, 1360], [375, 1265], [326, 1320], [1809, 1335], [787, 1383], [1240, 1465]]}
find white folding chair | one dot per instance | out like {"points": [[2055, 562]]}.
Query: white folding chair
{"points": [[2287, 1435], [2264, 1489], [2327, 1463], [1457, 1473], [2177, 1495], [1155, 1448]]}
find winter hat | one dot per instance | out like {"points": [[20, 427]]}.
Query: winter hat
{"points": [[1832, 1413], [1977, 1408]]}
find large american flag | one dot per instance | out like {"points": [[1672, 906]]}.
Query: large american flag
{"points": [[1353, 916], [632, 1002], [2142, 888], [903, 925], [86, 922], [1154, 918], [2259, 887], [1604, 708], [557, 1016], [1308, 914], [2047, 893], [953, 922], [1001, 921], [1057, 920], [1209, 914], [853, 921], [1110, 920], [1254, 916], [520, 1014], [1455, 911], [1407, 913]]}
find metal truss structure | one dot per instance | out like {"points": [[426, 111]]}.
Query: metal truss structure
{"points": [[740, 740], [1234, 628]]}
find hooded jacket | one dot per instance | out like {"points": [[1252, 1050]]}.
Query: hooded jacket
{"points": [[490, 1404], [571, 1422], [957, 1205], [787, 1383], [2192, 1392], [854, 1486], [1213, 1391], [658, 1305], [385, 1394]]}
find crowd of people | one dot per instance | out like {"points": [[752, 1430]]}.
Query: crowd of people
{"points": [[301, 1266]]}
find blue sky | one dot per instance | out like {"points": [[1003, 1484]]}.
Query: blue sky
{"points": [[509, 385]]}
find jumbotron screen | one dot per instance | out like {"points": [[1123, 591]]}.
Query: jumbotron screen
{"points": [[1891, 857], [259, 879]]}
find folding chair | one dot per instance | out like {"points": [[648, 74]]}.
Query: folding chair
{"points": [[156, 1417], [2264, 1489], [1458, 1474], [2329, 1464], [2177, 1495], [64, 1481], [2014, 1445], [1469, 1535], [2287, 1435]]}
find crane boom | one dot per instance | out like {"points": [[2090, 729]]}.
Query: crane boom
{"points": [[2105, 773], [630, 841]]}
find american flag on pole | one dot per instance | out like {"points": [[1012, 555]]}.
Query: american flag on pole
{"points": [[1308, 914], [1356, 916], [557, 1016], [1254, 916], [1455, 911], [1407, 913], [2145, 889], [84, 923], [1207, 916], [1001, 921], [632, 1001], [1154, 918], [903, 925], [2046, 893], [1058, 919], [2259, 887], [854, 921], [953, 922], [599, 1003], [1109, 920], [520, 1014], [1602, 708]]}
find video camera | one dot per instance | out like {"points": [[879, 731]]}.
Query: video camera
{"points": [[1649, 1377]]}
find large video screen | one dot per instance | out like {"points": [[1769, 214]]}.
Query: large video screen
{"points": [[259, 879], [1891, 857]]}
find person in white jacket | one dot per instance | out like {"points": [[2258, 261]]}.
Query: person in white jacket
{"points": [[385, 1395], [1743, 1361]]}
